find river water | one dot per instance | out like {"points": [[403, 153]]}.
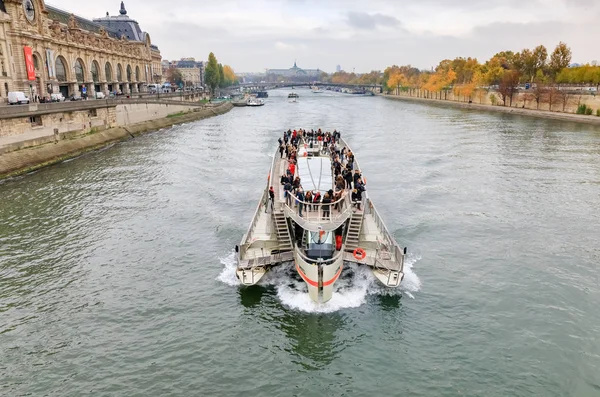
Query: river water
{"points": [[117, 268]]}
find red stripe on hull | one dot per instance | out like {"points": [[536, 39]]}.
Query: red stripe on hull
{"points": [[305, 277], [325, 284]]}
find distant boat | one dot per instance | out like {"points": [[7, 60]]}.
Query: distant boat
{"points": [[316, 90], [293, 95], [254, 102]]}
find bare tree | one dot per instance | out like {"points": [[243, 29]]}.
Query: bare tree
{"points": [[508, 86], [564, 98], [551, 96]]}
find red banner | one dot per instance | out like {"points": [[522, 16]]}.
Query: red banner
{"points": [[29, 63]]}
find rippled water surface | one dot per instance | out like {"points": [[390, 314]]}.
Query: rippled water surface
{"points": [[116, 268]]}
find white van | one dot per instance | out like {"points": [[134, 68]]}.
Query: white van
{"points": [[57, 97], [17, 97]]}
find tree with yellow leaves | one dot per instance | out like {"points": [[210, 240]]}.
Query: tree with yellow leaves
{"points": [[397, 79]]}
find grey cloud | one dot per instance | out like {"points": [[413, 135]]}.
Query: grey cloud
{"points": [[362, 20]]}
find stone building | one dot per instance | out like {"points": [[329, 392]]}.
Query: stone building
{"points": [[295, 71], [192, 71], [46, 50]]}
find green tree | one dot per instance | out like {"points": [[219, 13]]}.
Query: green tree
{"points": [[222, 82], [560, 58], [211, 73], [174, 76]]}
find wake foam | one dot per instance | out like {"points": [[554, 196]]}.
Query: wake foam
{"points": [[351, 289]]}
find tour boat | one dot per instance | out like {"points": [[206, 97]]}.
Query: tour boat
{"points": [[292, 95], [316, 90], [252, 101], [319, 242]]}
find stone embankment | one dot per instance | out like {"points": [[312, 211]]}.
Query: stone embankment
{"points": [[53, 149], [577, 118]]}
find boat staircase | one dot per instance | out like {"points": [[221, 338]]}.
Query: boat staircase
{"points": [[354, 228], [283, 233]]}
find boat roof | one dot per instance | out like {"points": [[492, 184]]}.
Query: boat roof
{"points": [[315, 173]]}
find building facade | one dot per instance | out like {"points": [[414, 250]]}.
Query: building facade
{"points": [[192, 71], [45, 50]]}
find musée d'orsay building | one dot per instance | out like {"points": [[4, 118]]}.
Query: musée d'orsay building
{"points": [[44, 50]]}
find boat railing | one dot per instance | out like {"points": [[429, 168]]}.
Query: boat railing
{"points": [[318, 261], [388, 242], [262, 203], [314, 219]]}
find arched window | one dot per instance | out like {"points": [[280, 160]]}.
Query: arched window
{"points": [[137, 73], [119, 73], [94, 70], [128, 73], [79, 73], [61, 69], [108, 72], [36, 62]]}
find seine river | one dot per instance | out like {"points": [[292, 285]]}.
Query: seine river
{"points": [[117, 268]]}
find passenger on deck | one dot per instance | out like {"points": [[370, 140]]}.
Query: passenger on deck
{"points": [[337, 197], [340, 183], [356, 177], [281, 149], [287, 188], [272, 197], [325, 205], [317, 200], [308, 197], [348, 178], [300, 197], [296, 183], [357, 198]]}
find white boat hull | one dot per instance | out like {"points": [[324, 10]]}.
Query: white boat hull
{"points": [[250, 276], [319, 278]]}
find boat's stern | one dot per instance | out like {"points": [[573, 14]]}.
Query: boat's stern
{"points": [[250, 276]]}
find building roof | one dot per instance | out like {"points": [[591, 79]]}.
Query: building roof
{"points": [[123, 25], [293, 71], [56, 14]]}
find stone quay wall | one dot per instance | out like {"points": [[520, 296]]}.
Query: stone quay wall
{"points": [[523, 111], [51, 149]]}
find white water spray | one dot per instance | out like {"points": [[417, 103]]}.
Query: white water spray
{"points": [[351, 289]]}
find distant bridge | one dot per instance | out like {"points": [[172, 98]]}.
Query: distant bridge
{"points": [[270, 86]]}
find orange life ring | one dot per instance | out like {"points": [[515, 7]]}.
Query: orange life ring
{"points": [[359, 254]]}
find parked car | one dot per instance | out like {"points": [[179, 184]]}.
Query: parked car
{"points": [[100, 95], [17, 98], [57, 97]]}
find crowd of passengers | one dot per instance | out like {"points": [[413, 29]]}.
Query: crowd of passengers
{"points": [[343, 167]]}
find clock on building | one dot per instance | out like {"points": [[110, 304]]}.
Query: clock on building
{"points": [[29, 10]]}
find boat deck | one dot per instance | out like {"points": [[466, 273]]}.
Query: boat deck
{"points": [[382, 253]]}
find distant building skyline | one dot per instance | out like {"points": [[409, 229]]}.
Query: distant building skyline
{"points": [[295, 71]]}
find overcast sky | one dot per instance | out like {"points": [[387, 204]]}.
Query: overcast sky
{"points": [[252, 35]]}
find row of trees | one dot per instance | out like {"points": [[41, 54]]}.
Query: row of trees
{"points": [[504, 72], [217, 75], [374, 77]]}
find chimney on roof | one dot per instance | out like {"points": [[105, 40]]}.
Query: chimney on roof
{"points": [[123, 11]]}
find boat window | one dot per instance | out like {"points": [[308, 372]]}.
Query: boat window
{"points": [[325, 237]]}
